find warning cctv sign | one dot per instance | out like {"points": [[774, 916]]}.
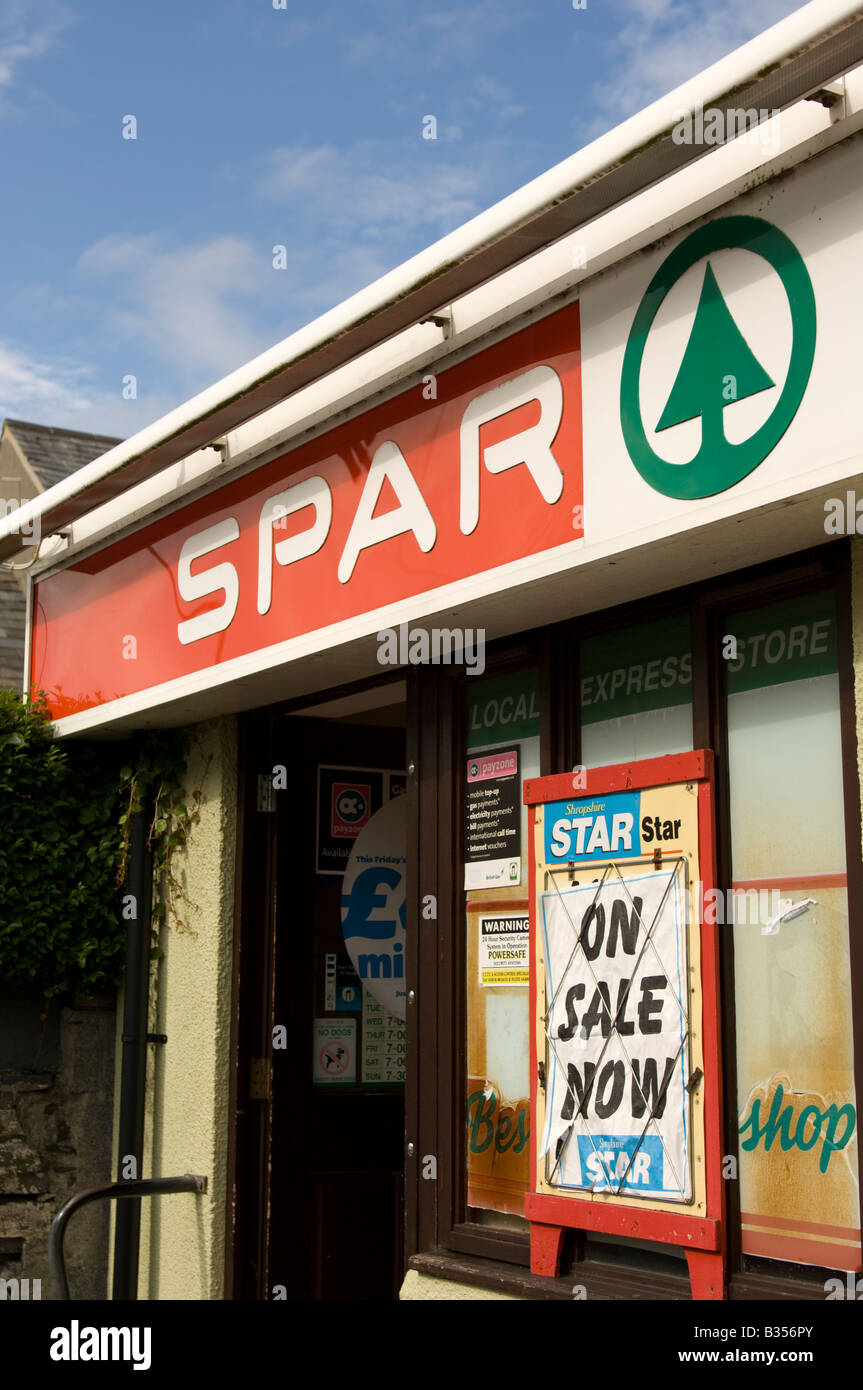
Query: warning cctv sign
{"points": [[503, 950]]}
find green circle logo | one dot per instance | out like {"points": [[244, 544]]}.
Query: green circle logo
{"points": [[718, 366]]}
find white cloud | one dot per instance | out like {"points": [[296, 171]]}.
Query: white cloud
{"points": [[290, 31], [431, 38], [347, 191], [178, 318], [29, 386], [491, 94], [659, 44], [65, 394], [108, 413], [318, 277], [29, 30], [194, 306]]}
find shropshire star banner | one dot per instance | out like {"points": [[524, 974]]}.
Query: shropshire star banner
{"points": [[617, 1116], [624, 994]]}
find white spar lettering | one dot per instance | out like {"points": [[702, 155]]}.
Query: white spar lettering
{"points": [[194, 586], [311, 492], [412, 513], [530, 446]]}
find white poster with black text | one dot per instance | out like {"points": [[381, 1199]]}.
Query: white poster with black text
{"points": [[617, 1107]]}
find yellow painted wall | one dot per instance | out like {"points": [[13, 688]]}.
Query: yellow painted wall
{"points": [[421, 1287], [183, 1235], [857, 638]]}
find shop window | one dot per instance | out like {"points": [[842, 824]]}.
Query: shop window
{"points": [[768, 703], [636, 692], [635, 686], [503, 748], [795, 1083]]}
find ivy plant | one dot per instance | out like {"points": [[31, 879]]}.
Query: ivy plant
{"points": [[65, 810], [155, 773]]}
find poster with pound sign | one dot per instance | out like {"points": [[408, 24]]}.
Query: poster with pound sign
{"points": [[374, 907]]}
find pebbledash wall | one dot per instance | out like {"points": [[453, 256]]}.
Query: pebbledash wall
{"points": [[783, 221], [187, 1119]]}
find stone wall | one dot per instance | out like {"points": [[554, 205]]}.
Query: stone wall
{"points": [[56, 1101]]}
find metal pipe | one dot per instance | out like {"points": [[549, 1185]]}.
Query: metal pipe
{"points": [[778, 68], [146, 1187], [130, 1143]]}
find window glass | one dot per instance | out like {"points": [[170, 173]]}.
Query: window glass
{"points": [[503, 744], [636, 702], [636, 692], [795, 1082]]}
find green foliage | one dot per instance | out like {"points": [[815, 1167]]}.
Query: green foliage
{"points": [[64, 841], [59, 852], [156, 773]]}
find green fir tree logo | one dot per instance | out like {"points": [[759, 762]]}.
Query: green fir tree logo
{"points": [[718, 367]]}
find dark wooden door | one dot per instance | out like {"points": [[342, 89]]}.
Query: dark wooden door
{"points": [[337, 1147]]}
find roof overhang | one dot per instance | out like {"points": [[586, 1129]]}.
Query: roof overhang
{"points": [[782, 66]]}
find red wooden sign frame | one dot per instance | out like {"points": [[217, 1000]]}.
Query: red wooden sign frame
{"points": [[702, 1237]]}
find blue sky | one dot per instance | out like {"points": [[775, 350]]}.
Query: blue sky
{"points": [[259, 126]]}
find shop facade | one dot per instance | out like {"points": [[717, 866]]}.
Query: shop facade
{"points": [[599, 508]]}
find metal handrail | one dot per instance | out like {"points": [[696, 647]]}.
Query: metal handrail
{"points": [[141, 1187]]}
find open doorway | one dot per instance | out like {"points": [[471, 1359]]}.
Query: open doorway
{"points": [[335, 1225]]}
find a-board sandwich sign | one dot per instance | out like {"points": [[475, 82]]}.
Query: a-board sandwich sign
{"points": [[623, 997]]}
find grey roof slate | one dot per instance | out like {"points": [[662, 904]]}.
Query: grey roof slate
{"points": [[13, 608], [55, 453]]}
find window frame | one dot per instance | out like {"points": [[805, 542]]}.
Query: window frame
{"points": [[725, 602], [439, 1238]]}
